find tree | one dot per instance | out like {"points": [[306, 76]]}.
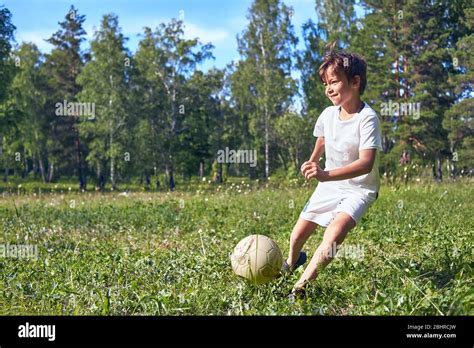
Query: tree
{"points": [[203, 121], [7, 70], [169, 59], [6, 36], [263, 77], [458, 120], [28, 102], [292, 130], [105, 84], [336, 23], [148, 98], [426, 43], [62, 66], [376, 40]]}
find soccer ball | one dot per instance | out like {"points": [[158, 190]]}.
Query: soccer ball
{"points": [[257, 258]]}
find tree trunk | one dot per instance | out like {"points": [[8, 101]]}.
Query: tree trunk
{"points": [[267, 145], [201, 169], [297, 160], [405, 71], [219, 179], [100, 177], [25, 166], [452, 161], [169, 175], [34, 165], [80, 168], [147, 182], [266, 111], [112, 172], [5, 174], [440, 169], [111, 137], [50, 172], [282, 160], [397, 59], [41, 167]]}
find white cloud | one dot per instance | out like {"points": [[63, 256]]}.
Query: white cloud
{"points": [[214, 36], [191, 30], [37, 37], [130, 28]]}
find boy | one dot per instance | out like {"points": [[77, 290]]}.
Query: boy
{"points": [[349, 133]]}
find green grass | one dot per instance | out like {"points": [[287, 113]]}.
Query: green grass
{"points": [[168, 253]]}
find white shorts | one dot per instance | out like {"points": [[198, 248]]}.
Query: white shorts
{"points": [[328, 200]]}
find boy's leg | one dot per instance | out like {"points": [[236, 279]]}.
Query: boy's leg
{"points": [[300, 234], [335, 233]]}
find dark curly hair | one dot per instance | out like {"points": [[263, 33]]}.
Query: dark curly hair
{"points": [[349, 64]]}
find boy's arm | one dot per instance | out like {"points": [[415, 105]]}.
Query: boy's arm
{"points": [[359, 167], [314, 159], [318, 150]]}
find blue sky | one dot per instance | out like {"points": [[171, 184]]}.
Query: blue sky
{"points": [[214, 21]]}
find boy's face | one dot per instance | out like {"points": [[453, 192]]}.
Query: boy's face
{"points": [[338, 88]]}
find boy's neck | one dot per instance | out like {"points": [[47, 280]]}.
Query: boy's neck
{"points": [[351, 107]]}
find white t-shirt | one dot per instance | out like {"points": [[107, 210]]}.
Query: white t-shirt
{"points": [[344, 139]]}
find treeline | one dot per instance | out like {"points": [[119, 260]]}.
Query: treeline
{"points": [[106, 114]]}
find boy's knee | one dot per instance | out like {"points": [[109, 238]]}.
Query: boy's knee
{"points": [[297, 235], [327, 251]]}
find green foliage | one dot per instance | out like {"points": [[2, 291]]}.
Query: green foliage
{"points": [[105, 84], [297, 148], [262, 85], [62, 66], [157, 114], [6, 64]]}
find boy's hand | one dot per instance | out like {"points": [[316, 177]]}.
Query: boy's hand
{"points": [[307, 166], [313, 170]]}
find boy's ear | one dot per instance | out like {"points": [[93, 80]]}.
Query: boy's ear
{"points": [[356, 81]]}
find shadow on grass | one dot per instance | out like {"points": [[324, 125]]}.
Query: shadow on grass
{"points": [[440, 277]]}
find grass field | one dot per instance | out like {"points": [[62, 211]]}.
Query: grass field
{"points": [[168, 253]]}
